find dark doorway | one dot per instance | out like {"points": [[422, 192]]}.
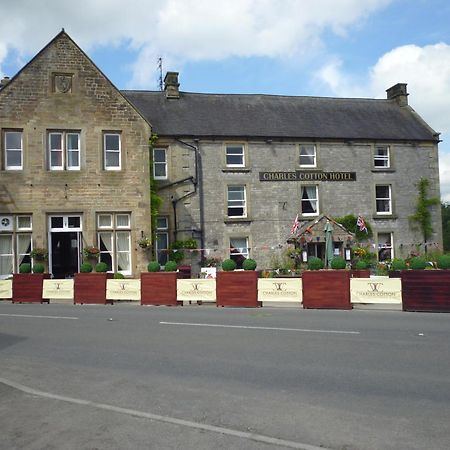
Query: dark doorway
{"points": [[64, 255]]}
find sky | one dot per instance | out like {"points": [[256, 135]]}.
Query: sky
{"points": [[333, 48]]}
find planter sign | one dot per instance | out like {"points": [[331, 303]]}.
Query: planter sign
{"points": [[280, 290], [5, 288], [123, 290], [58, 289], [376, 290], [194, 290]]}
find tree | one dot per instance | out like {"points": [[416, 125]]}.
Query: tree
{"points": [[445, 208], [422, 216]]}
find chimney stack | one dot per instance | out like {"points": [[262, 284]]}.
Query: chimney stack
{"points": [[398, 93], [3, 82], [171, 85]]}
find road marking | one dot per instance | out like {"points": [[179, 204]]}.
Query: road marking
{"points": [[166, 419], [39, 317], [244, 327]]}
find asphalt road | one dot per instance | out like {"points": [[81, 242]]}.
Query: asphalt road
{"points": [[131, 377]]}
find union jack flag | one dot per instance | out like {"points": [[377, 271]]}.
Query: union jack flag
{"points": [[361, 224], [295, 225]]}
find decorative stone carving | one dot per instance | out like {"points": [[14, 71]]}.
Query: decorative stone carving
{"points": [[62, 83]]}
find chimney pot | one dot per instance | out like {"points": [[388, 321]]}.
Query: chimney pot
{"points": [[171, 85], [399, 93], [4, 81]]}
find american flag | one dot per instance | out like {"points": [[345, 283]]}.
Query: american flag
{"points": [[295, 225], [361, 224]]}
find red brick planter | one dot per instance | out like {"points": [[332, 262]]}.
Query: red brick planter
{"points": [[90, 288], [237, 288], [27, 287], [326, 289], [360, 273], [426, 290], [159, 288]]}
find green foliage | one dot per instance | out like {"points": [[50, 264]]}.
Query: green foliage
{"points": [[228, 265], [315, 263], [249, 264], [86, 267], [118, 276], [361, 265], [417, 263], [443, 262], [153, 266], [170, 266], [39, 254], [398, 264], [101, 267], [338, 262], [25, 268], [349, 223], [422, 216], [38, 268], [445, 210], [176, 252]]}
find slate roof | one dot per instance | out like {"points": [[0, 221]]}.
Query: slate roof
{"points": [[274, 116]]}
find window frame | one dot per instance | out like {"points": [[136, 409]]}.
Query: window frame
{"points": [[389, 199], [160, 164], [384, 247], [6, 150], [244, 201], [64, 150], [118, 151], [307, 166], [386, 158], [242, 155], [162, 254], [316, 200], [239, 254]]}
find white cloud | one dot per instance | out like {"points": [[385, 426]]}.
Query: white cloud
{"points": [[183, 30]]}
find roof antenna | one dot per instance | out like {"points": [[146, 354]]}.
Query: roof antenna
{"points": [[160, 78]]}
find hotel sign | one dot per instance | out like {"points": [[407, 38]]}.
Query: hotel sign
{"points": [[280, 289], [301, 175], [5, 288], [124, 289], [376, 290], [58, 289]]}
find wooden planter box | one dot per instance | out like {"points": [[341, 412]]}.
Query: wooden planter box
{"points": [[27, 287], [426, 290], [90, 288], [395, 273], [237, 288], [326, 289], [360, 273], [159, 288]]}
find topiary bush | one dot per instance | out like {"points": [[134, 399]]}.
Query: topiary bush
{"points": [[398, 264], [443, 262], [118, 276], [315, 263], [361, 265], [249, 264], [38, 268], [338, 263], [417, 263], [86, 267], [25, 268], [171, 266], [228, 265], [101, 267], [153, 266]]}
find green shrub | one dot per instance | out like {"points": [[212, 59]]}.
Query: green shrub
{"points": [[417, 263], [101, 267], [38, 268], [86, 267], [249, 264], [443, 262], [153, 266], [228, 265], [315, 263], [25, 268], [170, 266], [118, 276], [398, 264], [338, 262], [361, 265]]}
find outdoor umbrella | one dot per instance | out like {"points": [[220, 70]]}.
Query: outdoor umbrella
{"points": [[328, 244]]}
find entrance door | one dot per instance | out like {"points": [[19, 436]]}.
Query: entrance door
{"points": [[64, 243]]}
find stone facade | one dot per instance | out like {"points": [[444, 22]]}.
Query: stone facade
{"points": [[62, 92]]}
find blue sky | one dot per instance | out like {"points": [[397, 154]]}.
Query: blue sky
{"points": [[342, 48]]}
